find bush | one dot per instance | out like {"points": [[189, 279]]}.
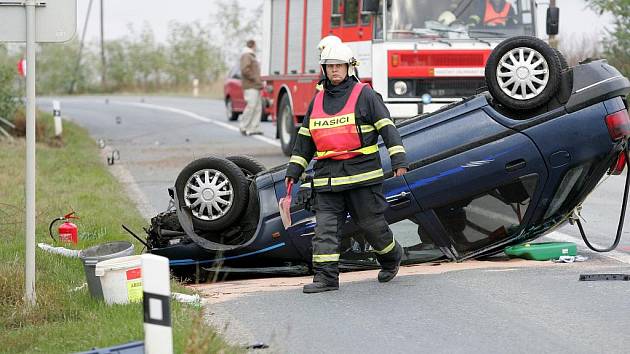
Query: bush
{"points": [[8, 94]]}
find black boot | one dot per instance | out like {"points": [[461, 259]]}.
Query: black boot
{"points": [[326, 278], [390, 263]]}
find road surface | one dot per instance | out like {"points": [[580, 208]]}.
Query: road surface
{"points": [[490, 307]]}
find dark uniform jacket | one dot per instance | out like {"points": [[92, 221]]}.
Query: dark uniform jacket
{"points": [[372, 120]]}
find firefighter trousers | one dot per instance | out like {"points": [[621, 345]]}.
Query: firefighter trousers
{"points": [[366, 206]]}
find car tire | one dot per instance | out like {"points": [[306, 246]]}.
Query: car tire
{"points": [[523, 73], [286, 127], [563, 61], [231, 115], [248, 165], [199, 185]]}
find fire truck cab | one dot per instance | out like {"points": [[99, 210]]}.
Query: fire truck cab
{"points": [[419, 55]]}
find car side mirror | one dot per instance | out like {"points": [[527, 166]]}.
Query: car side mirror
{"points": [[553, 20], [369, 6]]}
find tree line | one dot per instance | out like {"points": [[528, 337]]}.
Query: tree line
{"points": [[138, 62]]}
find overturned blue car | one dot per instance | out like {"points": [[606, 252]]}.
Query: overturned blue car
{"points": [[499, 168]]}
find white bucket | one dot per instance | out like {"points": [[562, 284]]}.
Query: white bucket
{"points": [[121, 279]]}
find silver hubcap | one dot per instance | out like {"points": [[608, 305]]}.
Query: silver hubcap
{"points": [[287, 125], [209, 194], [522, 73]]}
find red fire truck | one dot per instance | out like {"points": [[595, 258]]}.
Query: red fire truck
{"points": [[419, 55]]}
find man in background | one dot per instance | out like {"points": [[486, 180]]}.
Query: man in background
{"points": [[252, 84]]}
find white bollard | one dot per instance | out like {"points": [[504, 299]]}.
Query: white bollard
{"points": [[57, 118], [195, 87], [158, 334]]}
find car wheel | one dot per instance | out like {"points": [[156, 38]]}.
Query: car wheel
{"points": [[286, 127], [523, 73], [215, 190], [248, 165], [231, 115], [563, 61]]}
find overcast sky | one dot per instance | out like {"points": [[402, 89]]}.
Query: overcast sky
{"points": [[575, 19]]}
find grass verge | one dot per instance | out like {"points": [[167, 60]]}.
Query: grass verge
{"points": [[64, 319]]}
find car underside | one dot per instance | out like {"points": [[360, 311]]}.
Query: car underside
{"points": [[499, 168]]}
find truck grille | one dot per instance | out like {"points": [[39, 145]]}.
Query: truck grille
{"points": [[444, 59], [448, 87]]}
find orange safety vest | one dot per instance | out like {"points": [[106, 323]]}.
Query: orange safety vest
{"points": [[496, 18], [336, 135]]}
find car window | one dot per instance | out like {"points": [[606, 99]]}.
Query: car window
{"points": [[488, 218]]}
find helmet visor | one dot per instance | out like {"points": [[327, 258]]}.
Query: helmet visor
{"points": [[332, 61]]}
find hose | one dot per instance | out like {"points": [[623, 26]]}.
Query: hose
{"points": [[621, 217], [61, 218]]}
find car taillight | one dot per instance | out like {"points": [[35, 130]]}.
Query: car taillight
{"points": [[617, 167], [618, 124]]}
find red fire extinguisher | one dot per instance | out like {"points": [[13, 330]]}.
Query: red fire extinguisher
{"points": [[68, 231]]}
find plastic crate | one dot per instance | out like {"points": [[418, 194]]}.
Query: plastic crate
{"points": [[543, 251]]}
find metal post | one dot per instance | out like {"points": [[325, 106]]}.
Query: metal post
{"points": [[156, 287], [29, 275], [57, 118], [195, 87], [384, 22], [103, 63], [553, 41]]}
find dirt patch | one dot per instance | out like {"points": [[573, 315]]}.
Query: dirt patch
{"points": [[228, 290]]}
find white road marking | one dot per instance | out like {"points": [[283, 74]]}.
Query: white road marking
{"points": [[556, 235], [197, 117]]}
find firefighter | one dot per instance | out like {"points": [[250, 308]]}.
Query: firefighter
{"points": [[323, 43], [340, 130], [486, 12], [495, 13]]}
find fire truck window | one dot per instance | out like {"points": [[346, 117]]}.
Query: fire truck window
{"points": [[335, 16], [365, 19], [350, 12]]}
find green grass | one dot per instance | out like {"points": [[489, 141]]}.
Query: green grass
{"points": [[64, 320]]}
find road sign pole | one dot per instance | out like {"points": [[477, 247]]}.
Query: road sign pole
{"points": [[29, 275]]}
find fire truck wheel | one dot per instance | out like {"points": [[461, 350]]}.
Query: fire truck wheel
{"points": [[286, 127], [231, 115], [523, 73], [248, 165], [215, 190]]}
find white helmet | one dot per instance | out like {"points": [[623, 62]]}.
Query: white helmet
{"points": [[327, 41], [339, 53]]}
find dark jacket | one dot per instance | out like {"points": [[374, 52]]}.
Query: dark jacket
{"points": [[372, 120]]}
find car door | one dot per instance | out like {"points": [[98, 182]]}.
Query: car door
{"points": [[474, 179]]}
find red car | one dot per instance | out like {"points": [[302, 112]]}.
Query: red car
{"points": [[233, 96]]}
